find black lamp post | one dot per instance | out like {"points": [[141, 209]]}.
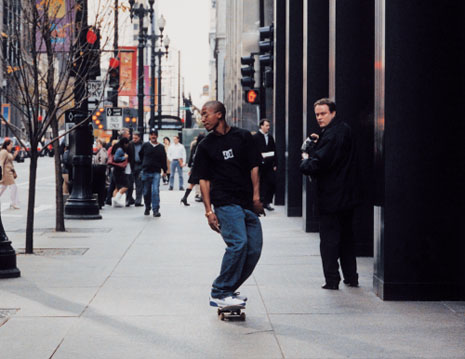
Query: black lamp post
{"points": [[8, 267], [81, 204], [141, 12], [154, 38], [159, 54]]}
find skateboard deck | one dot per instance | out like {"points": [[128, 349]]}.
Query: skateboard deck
{"points": [[233, 312]]}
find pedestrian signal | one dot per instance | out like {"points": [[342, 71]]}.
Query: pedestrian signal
{"points": [[252, 96]]}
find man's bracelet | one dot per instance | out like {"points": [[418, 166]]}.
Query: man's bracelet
{"points": [[208, 213]]}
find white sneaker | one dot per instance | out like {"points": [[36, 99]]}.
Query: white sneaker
{"points": [[226, 302], [115, 201], [240, 297]]}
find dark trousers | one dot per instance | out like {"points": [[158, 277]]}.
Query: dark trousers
{"points": [[134, 178], [111, 187], [337, 243], [267, 184], [98, 183]]}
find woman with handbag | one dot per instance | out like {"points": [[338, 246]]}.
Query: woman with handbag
{"points": [[119, 161], [9, 173]]}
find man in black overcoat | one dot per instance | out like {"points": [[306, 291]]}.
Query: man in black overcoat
{"points": [[330, 159], [265, 144]]}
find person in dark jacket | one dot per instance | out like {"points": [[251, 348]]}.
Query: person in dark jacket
{"points": [[265, 144], [330, 159], [193, 179], [153, 158]]}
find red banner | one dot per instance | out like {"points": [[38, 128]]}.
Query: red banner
{"points": [[128, 71]]}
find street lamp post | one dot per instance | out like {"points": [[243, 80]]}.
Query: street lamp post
{"points": [[154, 38], [159, 54], [141, 12], [8, 267]]}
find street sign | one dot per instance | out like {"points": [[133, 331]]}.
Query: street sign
{"points": [[95, 89], [75, 116], [114, 118], [94, 93]]}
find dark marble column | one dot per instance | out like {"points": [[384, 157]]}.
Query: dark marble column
{"points": [[279, 98], [315, 86], [294, 103], [352, 71], [419, 151]]}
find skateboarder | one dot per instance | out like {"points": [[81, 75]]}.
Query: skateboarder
{"points": [[227, 163]]}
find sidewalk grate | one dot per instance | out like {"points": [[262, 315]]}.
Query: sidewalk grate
{"points": [[7, 313], [55, 251]]}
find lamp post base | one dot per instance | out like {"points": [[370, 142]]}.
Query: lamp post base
{"points": [[82, 209], [8, 267]]}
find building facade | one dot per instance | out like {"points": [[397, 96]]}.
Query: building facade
{"points": [[395, 72]]}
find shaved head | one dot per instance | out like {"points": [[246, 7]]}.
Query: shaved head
{"points": [[216, 106]]}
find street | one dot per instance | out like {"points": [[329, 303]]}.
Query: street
{"points": [[134, 286]]}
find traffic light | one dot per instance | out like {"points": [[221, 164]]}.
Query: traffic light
{"points": [[113, 73], [266, 46], [130, 117], [93, 39], [248, 72], [99, 119], [252, 96]]}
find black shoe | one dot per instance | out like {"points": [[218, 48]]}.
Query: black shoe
{"points": [[330, 286], [184, 201], [171, 188], [128, 204], [268, 207], [198, 199], [181, 188], [138, 205], [147, 212], [108, 202], [156, 214], [351, 284]]}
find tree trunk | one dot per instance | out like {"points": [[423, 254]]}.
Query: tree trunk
{"points": [[31, 201], [60, 208]]}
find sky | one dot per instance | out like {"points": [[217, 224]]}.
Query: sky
{"points": [[188, 25]]}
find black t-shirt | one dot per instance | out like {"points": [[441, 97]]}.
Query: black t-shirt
{"points": [[226, 162]]}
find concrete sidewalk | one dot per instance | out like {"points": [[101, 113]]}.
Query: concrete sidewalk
{"points": [[131, 286]]}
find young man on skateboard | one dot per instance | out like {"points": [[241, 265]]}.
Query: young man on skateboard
{"points": [[227, 163]]}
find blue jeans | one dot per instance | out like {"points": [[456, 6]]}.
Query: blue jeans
{"points": [[242, 232], [175, 165], [151, 183]]}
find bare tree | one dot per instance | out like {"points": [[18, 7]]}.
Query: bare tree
{"points": [[46, 61]]}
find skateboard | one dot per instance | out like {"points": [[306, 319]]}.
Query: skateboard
{"points": [[232, 312]]}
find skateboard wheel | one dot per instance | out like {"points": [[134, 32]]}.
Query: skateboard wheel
{"points": [[242, 316], [221, 316]]}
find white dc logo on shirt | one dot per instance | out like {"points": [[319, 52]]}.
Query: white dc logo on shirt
{"points": [[228, 154]]}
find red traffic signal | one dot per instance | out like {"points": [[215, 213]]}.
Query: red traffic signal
{"points": [[91, 37], [114, 63], [252, 96]]}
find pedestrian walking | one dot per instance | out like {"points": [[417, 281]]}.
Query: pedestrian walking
{"points": [[153, 157], [99, 167], [167, 173], [177, 156], [125, 133], [265, 144], [330, 159], [136, 145], [66, 170], [8, 173], [110, 179], [193, 179], [119, 159], [226, 162]]}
